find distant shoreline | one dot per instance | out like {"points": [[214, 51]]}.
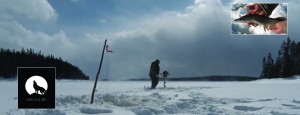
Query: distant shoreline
{"points": [[204, 78]]}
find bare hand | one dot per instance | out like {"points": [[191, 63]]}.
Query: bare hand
{"points": [[254, 9], [279, 27]]}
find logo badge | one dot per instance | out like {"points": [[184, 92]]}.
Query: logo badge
{"points": [[36, 87]]}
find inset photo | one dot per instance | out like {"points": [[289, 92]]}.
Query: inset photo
{"points": [[259, 19]]}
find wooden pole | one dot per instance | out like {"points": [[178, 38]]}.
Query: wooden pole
{"points": [[164, 82], [93, 93]]}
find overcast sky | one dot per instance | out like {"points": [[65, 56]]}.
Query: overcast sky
{"points": [[190, 37]]}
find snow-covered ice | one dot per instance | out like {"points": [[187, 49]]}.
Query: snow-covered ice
{"points": [[267, 97]]}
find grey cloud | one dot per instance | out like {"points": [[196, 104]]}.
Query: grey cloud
{"points": [[207, 49], [194, 42], [31, 9]]}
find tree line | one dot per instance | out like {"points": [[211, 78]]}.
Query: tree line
{"points": [[11, 59], [286, 64]]}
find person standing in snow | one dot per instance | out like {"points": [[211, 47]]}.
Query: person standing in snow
{"points": [[154, 73]]}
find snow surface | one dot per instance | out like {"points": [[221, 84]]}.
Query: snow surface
{"points": [[266, 97]]}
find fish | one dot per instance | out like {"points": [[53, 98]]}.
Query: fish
{"points": [[259, 19]]}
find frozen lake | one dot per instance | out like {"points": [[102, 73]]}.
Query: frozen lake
{"points": [[268, 97]]}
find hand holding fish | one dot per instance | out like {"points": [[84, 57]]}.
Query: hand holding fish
{"points": [[279, 27], [259, 15], [258, 19], [255, 9]]}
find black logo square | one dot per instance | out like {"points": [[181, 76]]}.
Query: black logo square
{"points": [[36, 87]]}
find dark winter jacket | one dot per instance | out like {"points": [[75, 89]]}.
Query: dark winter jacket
{"points": [[154, 69]]}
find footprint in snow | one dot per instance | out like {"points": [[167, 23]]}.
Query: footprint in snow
{"points": [[280, 113], [94, 110], [295, 101], [266, 100], [247, 108], [291, 106]]}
